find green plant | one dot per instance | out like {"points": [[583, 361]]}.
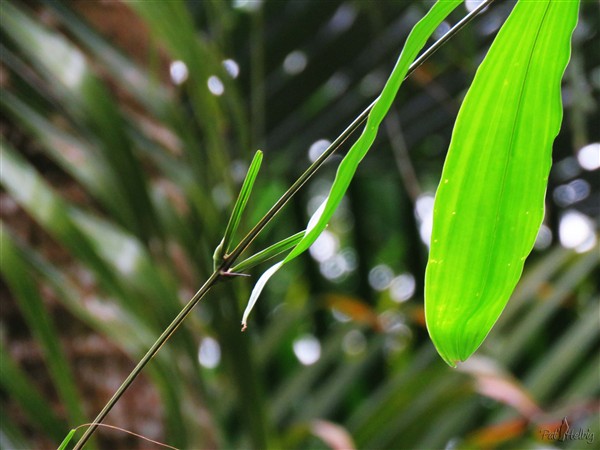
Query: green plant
{"points": [[150, 280], [490, 203], [223, 259]]}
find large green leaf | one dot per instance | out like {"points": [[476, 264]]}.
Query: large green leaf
{"points": [[490, 201]]}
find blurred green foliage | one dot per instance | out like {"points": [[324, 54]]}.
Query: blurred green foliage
{"points": [[126, 132]]}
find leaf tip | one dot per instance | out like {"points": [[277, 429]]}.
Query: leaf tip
{"points": [[67, 439]]}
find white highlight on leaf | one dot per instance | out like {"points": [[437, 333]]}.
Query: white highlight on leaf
{"points": [[336, 84], [470, 5], [340, 316], [248, 5], [567, 169], [258, 287], [343, 18], [424, 207], [317, 148], [573, 192], [334, 268], [262, 281], [128, 256], [441, 30], [380, 277], [402, 287], [316, 216], [70, 66], [424, 213], [544, 238], [354, 343]]}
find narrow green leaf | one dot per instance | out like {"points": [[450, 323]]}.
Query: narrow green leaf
{"points": [[67, 439], [269, 252], [414, 43], [490, 201], [238, 208]]}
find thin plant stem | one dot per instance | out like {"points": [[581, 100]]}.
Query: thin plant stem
{"points": [[228, 260], [139, 436], [210, 282], [335, 145]]}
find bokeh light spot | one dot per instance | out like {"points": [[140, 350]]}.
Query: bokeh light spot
{"points": [[178, 71], [231, 67], [589, 156], [209, 353], [402, 287], [307, 349], [380, 277], [295, 62], [215, 85], [576, 230], [317, 148]]}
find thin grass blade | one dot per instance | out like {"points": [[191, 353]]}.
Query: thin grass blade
{"points": [[270, 252], [238, 208], [67, 439]]}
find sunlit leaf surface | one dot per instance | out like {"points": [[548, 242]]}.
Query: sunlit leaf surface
{"points": [[490, 201]]}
